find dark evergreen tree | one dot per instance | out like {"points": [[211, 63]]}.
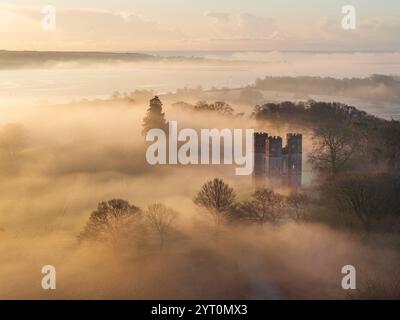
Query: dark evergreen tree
{"points": [[155, 118]]}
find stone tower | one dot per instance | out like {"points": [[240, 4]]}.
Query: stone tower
{"points": [[260, 145], [273, 164], [294, 159]]}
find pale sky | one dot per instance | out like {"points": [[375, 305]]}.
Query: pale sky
{"points": [[149, 25]]}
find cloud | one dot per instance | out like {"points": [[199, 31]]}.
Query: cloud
{"points": [[83, 28], [106, 30], [370, 33], [219, 16], [245, 29], [244, 26], [110, 26]]}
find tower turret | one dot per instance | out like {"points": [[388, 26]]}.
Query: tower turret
{"points": [[294, 151], [274, 157], [260, 144]]}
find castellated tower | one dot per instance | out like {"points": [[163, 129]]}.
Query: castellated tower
{"points": [[260, 145], [273, 164], [294, 159], [272, 161]]}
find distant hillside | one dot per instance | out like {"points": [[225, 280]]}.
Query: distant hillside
{"points": [[39, 59], [376, 88]]}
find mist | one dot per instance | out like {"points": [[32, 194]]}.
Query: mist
{"points": [[79, 154], [38, 78]]}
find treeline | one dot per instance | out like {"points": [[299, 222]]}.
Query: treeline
{"points": [[375, 88], [220, 107], [117, 221], [311, 112], [135, 96], [368, 204], [40, 59]]}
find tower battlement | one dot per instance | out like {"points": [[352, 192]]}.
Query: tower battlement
{"points": [[260, 135], [275, 138], [299, 135]]}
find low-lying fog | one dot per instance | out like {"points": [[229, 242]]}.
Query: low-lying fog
{"points": [[77, 155]]}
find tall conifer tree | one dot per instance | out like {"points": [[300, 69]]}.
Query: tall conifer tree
{"points": [[154, 118]]}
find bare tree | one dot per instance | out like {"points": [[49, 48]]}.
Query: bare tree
{"points": [[270, 203], [334, 145], [297, 203], [218, 198], [265, 206], [111, 222], [368, 199], [216, 195], [160, 218]]}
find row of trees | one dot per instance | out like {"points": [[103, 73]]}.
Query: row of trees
{"points": [[366, 202], [311, 112], [117, 221], [220, 107], [264, 206]]}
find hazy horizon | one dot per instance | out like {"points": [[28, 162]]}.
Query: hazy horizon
{"points": [[59, 78]]}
